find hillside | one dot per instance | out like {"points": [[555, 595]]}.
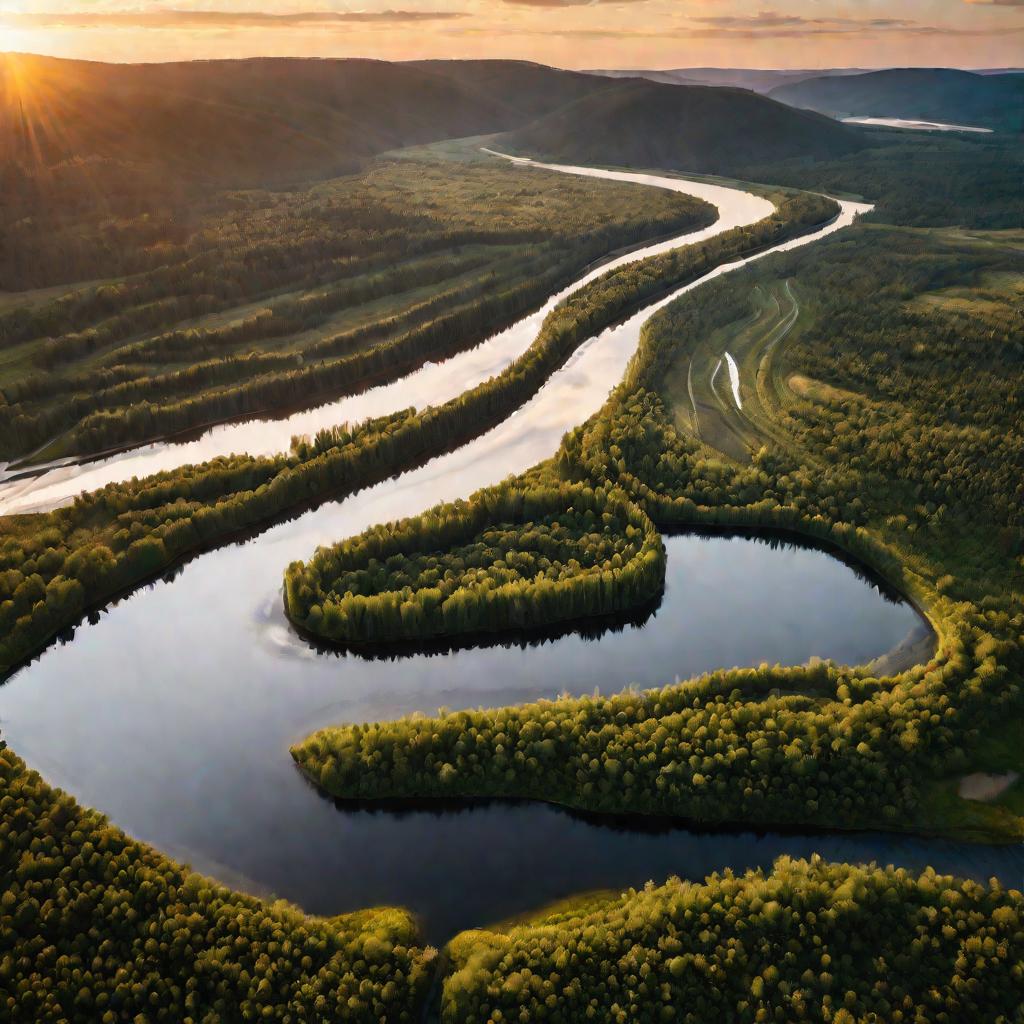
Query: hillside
{"points": [[993, 101], [259, 121], [529, 90], [646, 124]]}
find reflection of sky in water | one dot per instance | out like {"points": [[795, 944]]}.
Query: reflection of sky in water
{"points": [[174, 715], [431, 385], [174, 711], [921, 126]]}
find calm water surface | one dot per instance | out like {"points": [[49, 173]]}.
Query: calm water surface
{"points": [[920, 126], [181, 731], [432, 384], [173, 710]]}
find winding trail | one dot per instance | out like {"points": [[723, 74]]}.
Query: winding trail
{"points": [[172, 710]]}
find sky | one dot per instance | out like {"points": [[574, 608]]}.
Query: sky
{"points": [[564, 33]]}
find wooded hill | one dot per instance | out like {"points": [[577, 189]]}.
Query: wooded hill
{"points": [[244, 122], [274, 120], [931, 94], [647, 124]]}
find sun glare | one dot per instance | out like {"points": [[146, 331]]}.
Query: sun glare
{"points": [[27, 97]]}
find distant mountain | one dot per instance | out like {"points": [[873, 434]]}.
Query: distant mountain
{"points": [[71, 131], [931, 94], [741, 78], [647, 124], [260, 121], [528, 89]]}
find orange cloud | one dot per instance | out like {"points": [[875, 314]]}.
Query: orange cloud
{"points": [[178, 19]]}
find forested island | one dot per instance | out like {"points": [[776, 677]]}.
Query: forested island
{"points": [[862, 391]]}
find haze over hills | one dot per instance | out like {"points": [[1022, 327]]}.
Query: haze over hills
{"points": [[757, 80], [647, 124], [260, 120], [111, 129], [993, 101]]}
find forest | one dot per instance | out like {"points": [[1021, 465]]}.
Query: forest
{"points": [[889, 424], [920, 182], [911, 464], [806, 941], [55, 566], [269, 300], [505, 559], [99, 928]]}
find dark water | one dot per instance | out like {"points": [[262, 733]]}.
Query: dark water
{"points": [[175, 711]]}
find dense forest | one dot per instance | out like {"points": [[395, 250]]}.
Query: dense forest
{"points": [[806, 941], [916, 472], [507, 558], [930, 180], [96, 927], [889, 423], [54, 566], [274, 299]]}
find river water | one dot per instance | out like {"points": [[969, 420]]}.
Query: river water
{"points": [[920, 126], [173, 710], [432, 384]]}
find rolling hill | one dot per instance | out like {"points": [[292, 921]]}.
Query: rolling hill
{"points": [[260, 121], [993, 101], [647, 124]]}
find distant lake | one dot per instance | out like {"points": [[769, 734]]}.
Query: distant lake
{"points": [[921, 126]]}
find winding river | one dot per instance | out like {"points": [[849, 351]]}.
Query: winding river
{"points": [[172, 710]]}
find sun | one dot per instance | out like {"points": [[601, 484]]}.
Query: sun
{"points": [[17, 34]]}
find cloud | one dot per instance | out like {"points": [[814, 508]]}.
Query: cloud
{"points": [[179, 19], [569, 3], [772, 24], [791, 30], [773, 20]]}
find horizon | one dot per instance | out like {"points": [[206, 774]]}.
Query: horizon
{"points": [[523, 60], [570, 34]]}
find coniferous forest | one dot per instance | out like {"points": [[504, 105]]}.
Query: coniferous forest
{"points": [[862, 390]]}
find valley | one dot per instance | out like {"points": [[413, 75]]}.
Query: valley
{"points": [[606, 573]]}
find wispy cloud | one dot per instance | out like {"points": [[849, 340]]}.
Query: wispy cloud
{"points": [[794, 28], [177, 19], [570, 3], [775, 20]]}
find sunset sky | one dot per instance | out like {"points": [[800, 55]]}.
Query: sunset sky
{"points": [[566, 33]]}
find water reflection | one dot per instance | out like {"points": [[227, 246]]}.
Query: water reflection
{"points": [[173, 709], [432, 384], [175, 717]]}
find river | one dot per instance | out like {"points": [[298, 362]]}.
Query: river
{"points": [[919, 126], [173, 709]]}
